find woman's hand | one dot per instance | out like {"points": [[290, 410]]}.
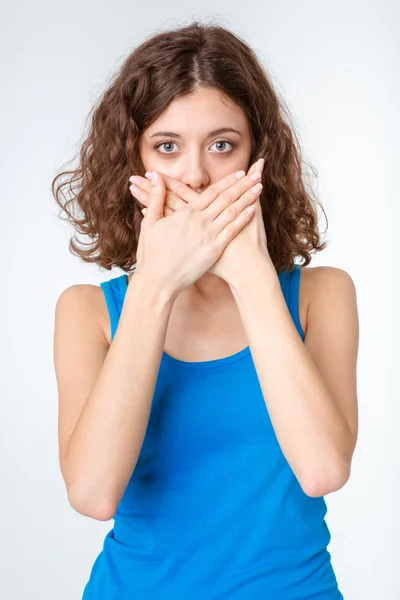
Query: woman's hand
{"points": [[177, 249], [248, 245]]}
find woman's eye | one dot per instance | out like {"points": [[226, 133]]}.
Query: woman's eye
{"points": [[224, 142], [165, 144], [169, 144]]}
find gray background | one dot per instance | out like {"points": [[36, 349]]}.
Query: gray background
{"points": [[337, 66]]}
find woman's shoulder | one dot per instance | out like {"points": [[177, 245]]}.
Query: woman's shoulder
{"points": [[86, 300], [315, 282], [316, 277]]}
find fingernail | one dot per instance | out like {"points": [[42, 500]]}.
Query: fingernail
{"points": [[154, 178], [148, 174], [260, 165], [134, 179], [255, 175], [134, 189], [256, 188]]}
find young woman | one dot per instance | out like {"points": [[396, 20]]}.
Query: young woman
{"points": [[207, 396]]}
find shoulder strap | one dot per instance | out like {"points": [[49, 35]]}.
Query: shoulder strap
{"points": [[114, 292], [290, 283]]}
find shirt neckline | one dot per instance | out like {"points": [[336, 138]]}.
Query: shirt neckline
{"points": [[217, 362]]}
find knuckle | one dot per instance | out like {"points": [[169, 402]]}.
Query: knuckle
{"points": [[225, 198], [170, 200], [232, 211], [212, 191], [203, 223], [229, 230], [189, 209]]}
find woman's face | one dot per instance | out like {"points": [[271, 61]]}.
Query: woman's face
{"points": [[188, 150]]}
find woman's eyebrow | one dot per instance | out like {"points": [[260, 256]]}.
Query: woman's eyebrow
{"points": [[215, 132]]}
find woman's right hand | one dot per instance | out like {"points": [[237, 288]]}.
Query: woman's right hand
{"points": [[179, 248]]}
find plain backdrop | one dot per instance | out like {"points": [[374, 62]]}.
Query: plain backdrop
{"points": [[337, 66]]}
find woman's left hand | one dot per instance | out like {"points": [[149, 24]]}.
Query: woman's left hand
{"points": [[243, 252]]}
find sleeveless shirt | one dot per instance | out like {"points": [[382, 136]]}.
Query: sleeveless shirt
{"points": [[213, 510]]}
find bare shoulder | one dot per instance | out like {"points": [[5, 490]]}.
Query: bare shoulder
{"points": [[316, 278], [319, 282], [85, 301]]}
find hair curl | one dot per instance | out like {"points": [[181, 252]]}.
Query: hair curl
{"points": [[167, 65]]}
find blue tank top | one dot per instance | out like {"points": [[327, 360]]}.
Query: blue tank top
{"points": [[213, 510]]}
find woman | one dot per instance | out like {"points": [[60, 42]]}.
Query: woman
{"points": [[207, 400]]}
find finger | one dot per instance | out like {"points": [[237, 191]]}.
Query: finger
{"points": [[232, 212], [180, 189], [175, 203], [167, 211], [258, 165], [171, 200], [232, 229], [155, 209], [236, 183], [227, 198], [178, 194]]}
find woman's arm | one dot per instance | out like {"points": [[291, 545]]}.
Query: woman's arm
{"points": [[105, 392], [309, 388]]}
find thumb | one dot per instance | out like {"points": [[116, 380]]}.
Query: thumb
{"points": [[155, 209]]}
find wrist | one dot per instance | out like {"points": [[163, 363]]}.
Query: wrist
{"points": [[259, 269], [151, 288]]}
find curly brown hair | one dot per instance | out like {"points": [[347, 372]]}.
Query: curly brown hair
{"points": [[167, 65]]}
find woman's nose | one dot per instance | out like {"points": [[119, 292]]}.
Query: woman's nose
{"points": [[196, 180]]}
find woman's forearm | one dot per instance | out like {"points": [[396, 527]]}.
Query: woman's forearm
{"points": [[107, 439]]}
